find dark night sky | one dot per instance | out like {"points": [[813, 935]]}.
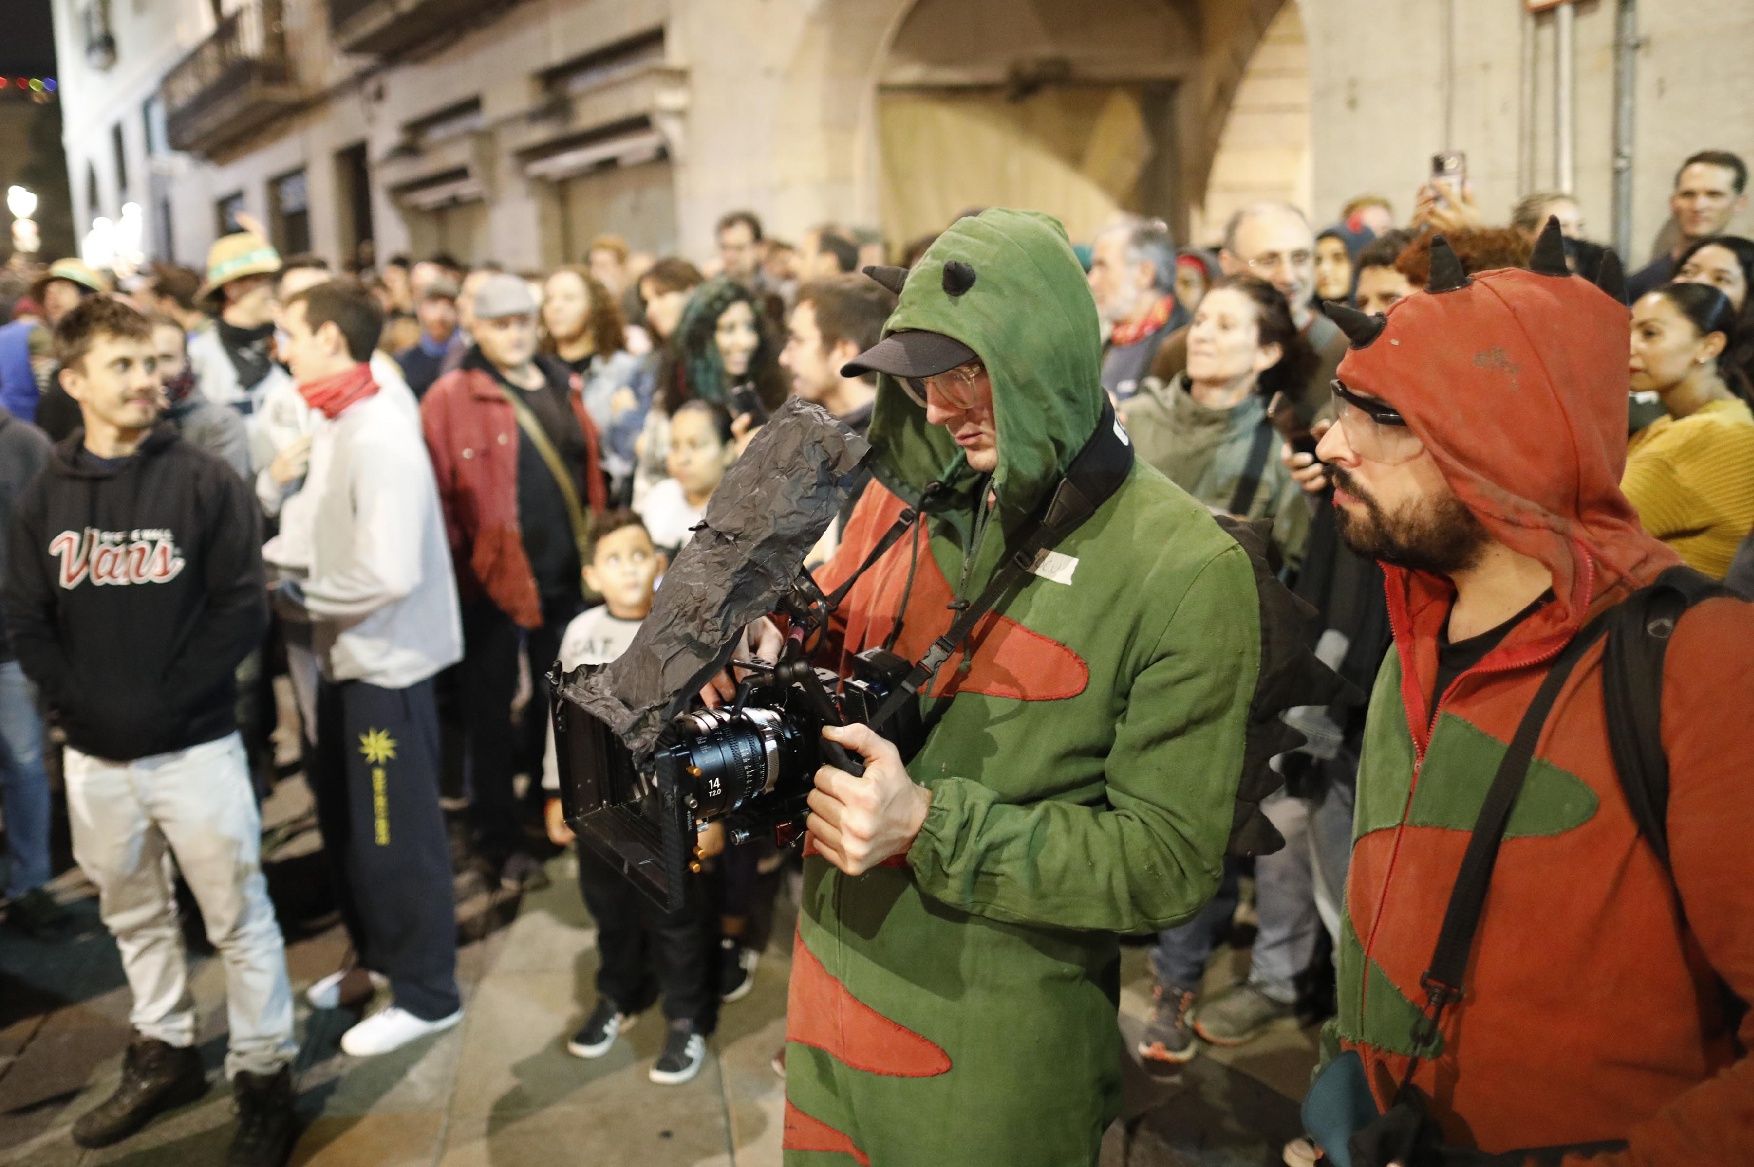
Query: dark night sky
{"points": [[29, 43]]}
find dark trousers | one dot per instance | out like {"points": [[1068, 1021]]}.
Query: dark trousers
{"points": [[374, 772], [498, 746], [636, 938]]}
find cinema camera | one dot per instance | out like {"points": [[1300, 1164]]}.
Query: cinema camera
{"points": [[642, 763]]}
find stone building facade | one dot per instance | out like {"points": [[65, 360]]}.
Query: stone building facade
{"points": [[517, 129]]}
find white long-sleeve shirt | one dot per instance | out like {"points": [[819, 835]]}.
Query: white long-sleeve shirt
{"points": [[372, 563]]}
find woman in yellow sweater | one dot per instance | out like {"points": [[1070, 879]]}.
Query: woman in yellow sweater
{"points": [[1690, 474]]}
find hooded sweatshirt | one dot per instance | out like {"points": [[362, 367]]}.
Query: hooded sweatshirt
{"points": [[133, 590], [1592, 1009], [958, 1005]]}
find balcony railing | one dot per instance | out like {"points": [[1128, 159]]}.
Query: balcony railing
{"points": [[390, 28], [232, 83]]}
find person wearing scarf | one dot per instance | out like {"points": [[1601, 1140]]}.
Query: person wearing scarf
{"points": [[362, 558]]}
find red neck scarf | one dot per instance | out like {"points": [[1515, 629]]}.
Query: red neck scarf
{"points": [[1134, 331], [332, 395]]}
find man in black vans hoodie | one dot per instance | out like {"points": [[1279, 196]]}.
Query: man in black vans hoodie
{"points": [[134, 587]]}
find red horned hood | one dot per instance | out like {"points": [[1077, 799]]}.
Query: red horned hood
{"points": [[1516, 382]]}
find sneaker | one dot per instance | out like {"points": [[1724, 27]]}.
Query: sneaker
{"points": [[599, 1031], [40, 916], [1301, 1152], [267, 1124], [351, 987], [684, 1052], [1167, 1039], [736, 970], [156, 1077], [522, 872], [1238, 1014], [391, 1029]]}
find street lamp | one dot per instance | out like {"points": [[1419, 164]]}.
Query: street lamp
{"points": [[22, 202]]}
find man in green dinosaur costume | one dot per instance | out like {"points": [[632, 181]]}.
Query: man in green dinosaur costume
{"points": [[1097, 742]]}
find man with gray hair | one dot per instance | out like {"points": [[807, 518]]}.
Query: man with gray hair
{"points": [[1132, 278], [1274, 241]]}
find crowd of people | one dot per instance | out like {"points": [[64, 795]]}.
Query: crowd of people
{"points": [[412, 490]]}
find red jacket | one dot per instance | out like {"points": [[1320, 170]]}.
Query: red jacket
{"points": [[473, 438]]}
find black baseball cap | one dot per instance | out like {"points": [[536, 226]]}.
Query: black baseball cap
{"points": [[913, 353]]}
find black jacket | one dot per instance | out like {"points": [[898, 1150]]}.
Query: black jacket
{"points": [[23, 452], [133, 592]]}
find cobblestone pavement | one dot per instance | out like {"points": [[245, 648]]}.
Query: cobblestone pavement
{"points": [[500, 1088]]}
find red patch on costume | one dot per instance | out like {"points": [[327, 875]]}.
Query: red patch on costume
{"points": [[804, 1133], [1009, 660], [823, 1013]]}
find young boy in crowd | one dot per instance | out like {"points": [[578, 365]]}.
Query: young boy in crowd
{"points": [[134, 588], [634, 936]]}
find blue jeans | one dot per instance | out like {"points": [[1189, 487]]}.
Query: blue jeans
{"points": [[24, 784], [1298, 888]]}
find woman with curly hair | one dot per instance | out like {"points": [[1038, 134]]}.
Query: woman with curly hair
{"points": [[721, 344]]}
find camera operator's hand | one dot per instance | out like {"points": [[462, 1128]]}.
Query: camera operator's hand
{"points": [[858, 821], [761, 640]]}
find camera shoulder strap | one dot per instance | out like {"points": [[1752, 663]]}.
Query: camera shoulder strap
{"points": [[1442, 979], [1095, 474]]}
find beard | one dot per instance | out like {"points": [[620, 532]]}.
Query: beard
{"points": [[1440, 536]]}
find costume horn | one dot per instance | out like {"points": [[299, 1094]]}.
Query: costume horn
{"points": [[1359, 328], [890, 277], [1548, 257], [1611, 277], [1446, 270]]}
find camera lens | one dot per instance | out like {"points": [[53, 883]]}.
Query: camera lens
{"points": [[720, 760]]}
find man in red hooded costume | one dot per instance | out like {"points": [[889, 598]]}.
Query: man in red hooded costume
{"points": [[1480, 441]]}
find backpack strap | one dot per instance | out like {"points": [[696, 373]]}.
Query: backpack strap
{"points": [[1632, 692]]}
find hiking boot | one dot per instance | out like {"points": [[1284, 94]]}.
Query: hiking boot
{"points": [[267, 1124], [736, 970], [601, 1028], [156, 1077], [1167, 1040], [40, 916], [1238, 1014], [682, 1056]]}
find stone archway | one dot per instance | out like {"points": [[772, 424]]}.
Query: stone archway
{"points": [[1166, 72]]}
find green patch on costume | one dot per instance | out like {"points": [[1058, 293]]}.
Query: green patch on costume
{"points": [[1385, 1017], [1459, 767]]}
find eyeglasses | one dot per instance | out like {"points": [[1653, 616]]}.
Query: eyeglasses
{"points": [[1375, 432], [1274, 260], [957, 387]]}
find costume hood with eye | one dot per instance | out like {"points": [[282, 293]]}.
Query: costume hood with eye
{"points": [[1516, 383]]}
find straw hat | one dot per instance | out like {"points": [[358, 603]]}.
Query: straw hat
{"points": [[234, 256], [74, 271]]}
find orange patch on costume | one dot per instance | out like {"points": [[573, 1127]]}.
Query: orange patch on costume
{"points": [[822, 1013], [1009, 658], [803, 1133]]}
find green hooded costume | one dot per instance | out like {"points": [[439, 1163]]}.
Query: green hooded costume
{"points": [[958, 1004]]}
